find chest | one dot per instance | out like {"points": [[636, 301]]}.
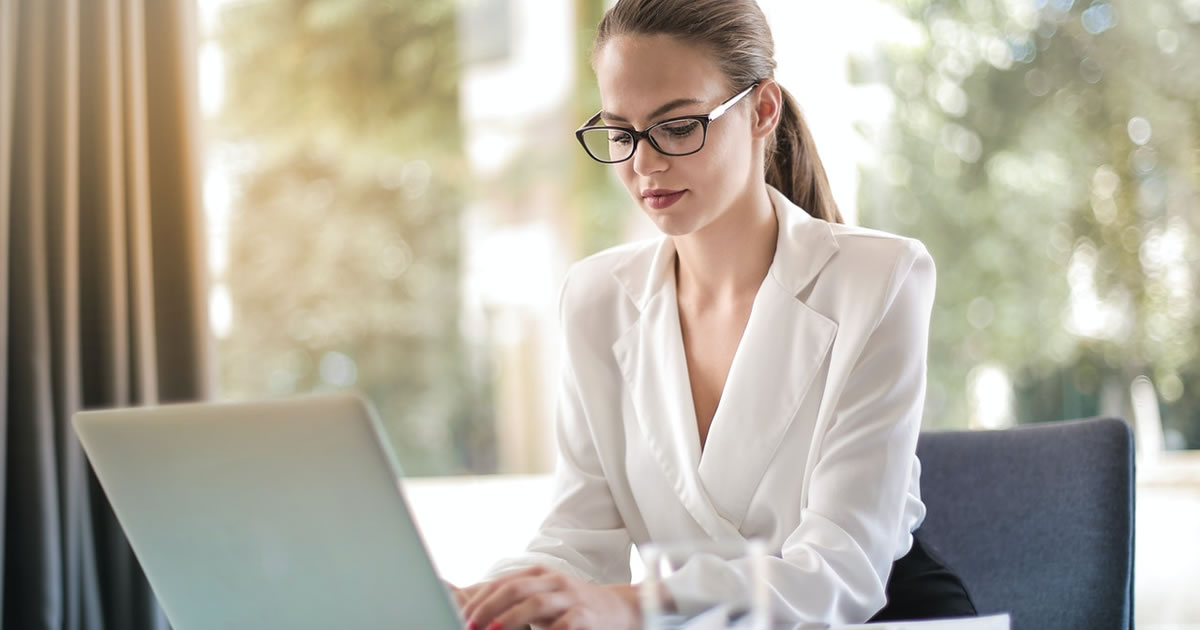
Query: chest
{"points": [[710, 342], [758, 380]]}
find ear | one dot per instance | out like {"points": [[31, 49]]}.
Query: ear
{"points": [[768, 107]]}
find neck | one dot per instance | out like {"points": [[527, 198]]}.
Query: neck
{"points": [[728, 258]]}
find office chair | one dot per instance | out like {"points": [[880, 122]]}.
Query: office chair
{"points": [[1037, 520]]}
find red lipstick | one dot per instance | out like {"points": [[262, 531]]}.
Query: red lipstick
{"points": [[661, 198]]}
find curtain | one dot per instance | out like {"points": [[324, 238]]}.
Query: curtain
{"points": [[102, 289]]}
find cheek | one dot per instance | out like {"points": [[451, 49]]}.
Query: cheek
{"points": [[717, 164], [730, 151], [735, 163]]}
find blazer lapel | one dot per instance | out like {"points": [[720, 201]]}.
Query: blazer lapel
{"points": [[780, 354], [651, 359]]}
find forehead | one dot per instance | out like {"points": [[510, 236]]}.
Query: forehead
{"points": [[638, 73]]}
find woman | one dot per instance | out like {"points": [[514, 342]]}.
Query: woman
{"points": [[759, 372]]}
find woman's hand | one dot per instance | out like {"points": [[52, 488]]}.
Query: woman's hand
{"points": [[462, 595], [552, 600]]}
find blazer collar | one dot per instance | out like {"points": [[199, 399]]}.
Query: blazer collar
{"points": [[783, 346], [803, 247]]}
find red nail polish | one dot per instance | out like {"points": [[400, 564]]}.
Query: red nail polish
{"points": [[472, 626]]}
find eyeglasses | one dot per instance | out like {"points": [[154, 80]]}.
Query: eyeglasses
{"points": [[684, 135]]}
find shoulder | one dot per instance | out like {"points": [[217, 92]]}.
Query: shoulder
{"points": [[847, 261], [870, 269], [592, 283], [867, 248], [884, 257]]}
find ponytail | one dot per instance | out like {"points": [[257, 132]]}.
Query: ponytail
{"points": [[794, 167]]}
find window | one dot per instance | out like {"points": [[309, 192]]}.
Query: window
{"points": [[394, 192], [1045, 152], [393, 196]]}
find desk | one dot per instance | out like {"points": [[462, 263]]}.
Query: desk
{"points": [[716, 620]]}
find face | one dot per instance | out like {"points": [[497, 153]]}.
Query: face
{"points": [[639, 77]]}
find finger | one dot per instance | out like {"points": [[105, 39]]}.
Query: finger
{"points": [[469, 592], [480, 592], [485, 607], [541, 609], [572, 619]]}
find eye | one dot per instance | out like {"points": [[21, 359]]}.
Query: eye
{"points": [[682, 128], [618, 138]]}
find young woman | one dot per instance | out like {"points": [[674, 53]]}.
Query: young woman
{"points": [[758, 372]]}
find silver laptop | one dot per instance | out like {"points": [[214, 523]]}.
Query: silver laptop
{"points": [[280, 514]]}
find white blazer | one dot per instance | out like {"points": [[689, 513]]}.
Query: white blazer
{"points": [[813, 445]]}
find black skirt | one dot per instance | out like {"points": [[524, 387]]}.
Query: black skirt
{"points": [[922, 587]]}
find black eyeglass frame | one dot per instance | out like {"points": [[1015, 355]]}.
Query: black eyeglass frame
{"points": [[645, 133]]}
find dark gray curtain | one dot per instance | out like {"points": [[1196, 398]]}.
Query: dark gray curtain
{"points": [[101, 283]]}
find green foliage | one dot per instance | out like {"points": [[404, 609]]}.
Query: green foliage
{"points": [[1048, 154], [382, 75], [344, 241], [603, 206]]}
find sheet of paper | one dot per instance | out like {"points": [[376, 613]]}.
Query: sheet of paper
{"points": [[990, 622], [717, 618]]}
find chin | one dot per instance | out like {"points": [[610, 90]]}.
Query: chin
{"points": [[674, 225]]}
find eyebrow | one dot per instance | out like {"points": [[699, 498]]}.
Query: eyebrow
{"points": [[679, 102]]}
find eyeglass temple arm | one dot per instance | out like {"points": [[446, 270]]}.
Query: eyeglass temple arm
{"points": [[724, 107], [591, 121]]}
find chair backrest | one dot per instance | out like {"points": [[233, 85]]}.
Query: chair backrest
{"points": [[1036, 520]]}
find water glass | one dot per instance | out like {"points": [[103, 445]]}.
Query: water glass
{"points": [[705, 585]]}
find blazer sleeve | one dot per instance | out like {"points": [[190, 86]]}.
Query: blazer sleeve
{"points": [[834, 565], [583, 535]]}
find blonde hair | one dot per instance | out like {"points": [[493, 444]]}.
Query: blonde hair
{"points": [[737, 35]]}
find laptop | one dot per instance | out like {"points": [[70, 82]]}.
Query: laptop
{"points": [[279, 514]]}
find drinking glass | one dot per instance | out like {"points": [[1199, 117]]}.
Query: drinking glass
{"points": [[692, 586]]}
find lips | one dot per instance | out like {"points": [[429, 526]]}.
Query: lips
{"points": [[660, 198]]}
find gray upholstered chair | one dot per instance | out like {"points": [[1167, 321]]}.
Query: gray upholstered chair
{"points": [[1037, 520]]}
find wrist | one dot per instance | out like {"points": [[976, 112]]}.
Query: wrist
{"points": [[631, 595]]}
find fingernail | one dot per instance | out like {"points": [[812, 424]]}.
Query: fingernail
{"points": [[472, 626]]}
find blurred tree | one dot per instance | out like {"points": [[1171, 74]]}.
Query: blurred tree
{"points": [[341, 120], [594, 208], [1048, 154], [603, 204]]}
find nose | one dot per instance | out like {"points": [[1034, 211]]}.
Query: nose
{"points": [[647, 161]]}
